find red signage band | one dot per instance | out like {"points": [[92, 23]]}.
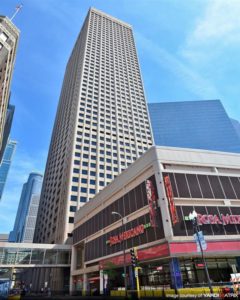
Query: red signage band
{"points": [[222, 219], [128, 234], [172, 207], [161, 250]]}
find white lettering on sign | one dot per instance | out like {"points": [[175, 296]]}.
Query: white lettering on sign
{"points": [[215, 219]]}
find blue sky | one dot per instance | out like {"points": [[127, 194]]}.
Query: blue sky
{"points": [[188, 50]]}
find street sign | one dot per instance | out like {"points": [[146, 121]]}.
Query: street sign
{"points": [[200, 238]]}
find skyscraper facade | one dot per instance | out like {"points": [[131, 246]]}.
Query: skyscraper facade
{"points": [[194, 124], [6, 163], [101, 127], [7, 128], [9, 35], [25, 221]]}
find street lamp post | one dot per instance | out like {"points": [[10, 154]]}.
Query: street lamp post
{"points": [[196, 229], [124, 253]]}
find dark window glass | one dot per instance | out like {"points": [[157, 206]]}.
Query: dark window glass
{"points": [[206, 228], [236, 211], [182, 186], [150, 231], [139, 198], [144, 193], [73, 198], [205, 186], [120, 206], [70, 220], [83, 199], [132, 201], [194, 186], [216, 187], [216, 228], [227, 187], [230, 228], [179, 228], [186, 210], [73, 208], [173, 184], [126, 204], [75, 179], [236, 185]]}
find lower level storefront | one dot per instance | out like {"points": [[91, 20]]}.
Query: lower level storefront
{"points": [[162, 270]]}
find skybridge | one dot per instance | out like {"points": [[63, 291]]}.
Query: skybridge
{"points": [[27, 255]]}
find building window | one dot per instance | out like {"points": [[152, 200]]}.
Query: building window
{"points": [[74, 188], [73, 208], [92, 191], [73, 198], [83, 199], [75, 179], [71, 220], [83, 189]]}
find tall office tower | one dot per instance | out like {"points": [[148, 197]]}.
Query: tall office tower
{"points": [[7, 129], [25, 221], [6, 163], [9, 35], [101, 127], [194, 124]]}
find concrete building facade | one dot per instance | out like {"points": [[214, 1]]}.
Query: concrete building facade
{"points": [[101, 127], [155, 196], [25, 221], [9, 35]]}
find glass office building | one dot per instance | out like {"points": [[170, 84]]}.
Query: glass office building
{"points": [[25, 221], [6, 163], [194, 124]]}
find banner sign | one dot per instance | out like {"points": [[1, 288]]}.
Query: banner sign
{"points": [[215, 219], [172, 207], [152, 201], [128, 234]]}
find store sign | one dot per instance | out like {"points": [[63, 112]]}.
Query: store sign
{"points": [[215, 219], [152, 201], [128, 234], [172, 207]]}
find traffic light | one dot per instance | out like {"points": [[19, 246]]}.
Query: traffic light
{"points": [[134, 257]]}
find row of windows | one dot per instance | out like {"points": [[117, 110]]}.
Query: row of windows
{"points": [[204, 186], [99, 247], [130, 202]]}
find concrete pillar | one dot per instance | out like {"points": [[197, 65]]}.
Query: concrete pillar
{"points": [[73, 267]]}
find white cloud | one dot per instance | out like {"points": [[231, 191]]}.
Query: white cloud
{"points": [[195, 83], [216, 29]]}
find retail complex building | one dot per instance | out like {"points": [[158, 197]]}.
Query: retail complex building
{"points": [[155, 196]]}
